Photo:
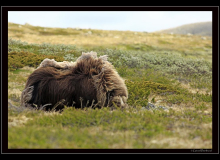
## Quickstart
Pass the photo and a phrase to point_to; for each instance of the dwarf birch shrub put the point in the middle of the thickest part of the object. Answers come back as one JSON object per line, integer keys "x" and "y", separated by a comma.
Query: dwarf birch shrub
{"x": 140, "y": 90}
{"x": 69, "y": 57}
{"x": 20, "y": 59}
{"x": 168, "y": 62}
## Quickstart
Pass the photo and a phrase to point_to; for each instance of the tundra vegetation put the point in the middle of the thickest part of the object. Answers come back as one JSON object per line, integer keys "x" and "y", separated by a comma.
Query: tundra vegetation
{"x": 173, "y": 72}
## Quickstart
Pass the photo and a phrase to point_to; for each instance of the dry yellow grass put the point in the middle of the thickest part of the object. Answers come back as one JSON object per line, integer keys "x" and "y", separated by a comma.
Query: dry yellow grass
{"x": 105, "y": 38}
{"x": 17, "y": 121}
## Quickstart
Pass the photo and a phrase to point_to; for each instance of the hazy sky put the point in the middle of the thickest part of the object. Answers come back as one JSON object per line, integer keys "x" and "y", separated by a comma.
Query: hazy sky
{"x": 110, "y": 20}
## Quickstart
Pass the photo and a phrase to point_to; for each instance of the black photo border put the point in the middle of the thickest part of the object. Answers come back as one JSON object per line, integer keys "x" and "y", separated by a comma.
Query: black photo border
{"x": 4, "y": 79}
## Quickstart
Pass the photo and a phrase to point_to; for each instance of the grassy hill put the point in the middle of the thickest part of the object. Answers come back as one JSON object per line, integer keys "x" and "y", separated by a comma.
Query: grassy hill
{"x": 173, "y": 72}
{"x": 201, "y": 28}
{"x": 121, "y": 40}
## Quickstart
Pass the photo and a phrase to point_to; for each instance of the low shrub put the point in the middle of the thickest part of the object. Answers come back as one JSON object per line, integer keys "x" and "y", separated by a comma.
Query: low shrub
{"x": 20, "y": 59}
{"x": 140, "y": 90}
{"x": 167, "y": 62}
{"x": 170, "y": 62}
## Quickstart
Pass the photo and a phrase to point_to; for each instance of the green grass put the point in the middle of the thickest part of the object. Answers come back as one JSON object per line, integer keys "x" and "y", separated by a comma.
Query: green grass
{"x": 120, "y": 128}
{"x": 103, "y": 128}
{"x": 178, "y": 79}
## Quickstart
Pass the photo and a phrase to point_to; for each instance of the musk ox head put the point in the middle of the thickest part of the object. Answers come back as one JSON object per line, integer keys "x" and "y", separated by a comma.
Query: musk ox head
{"x": 88, "y": 81}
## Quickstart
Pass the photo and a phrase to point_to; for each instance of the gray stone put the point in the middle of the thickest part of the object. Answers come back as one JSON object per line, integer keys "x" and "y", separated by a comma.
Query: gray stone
{"x": 164, "y": 108}
{"x": 151, "y": 106}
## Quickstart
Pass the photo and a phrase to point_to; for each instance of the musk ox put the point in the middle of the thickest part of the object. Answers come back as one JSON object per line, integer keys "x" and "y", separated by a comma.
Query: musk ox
{"x": 88, "y": 81}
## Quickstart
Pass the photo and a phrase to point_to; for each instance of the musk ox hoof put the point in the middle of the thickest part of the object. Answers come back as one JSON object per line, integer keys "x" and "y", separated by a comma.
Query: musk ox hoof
{"x": 90, "y": 80}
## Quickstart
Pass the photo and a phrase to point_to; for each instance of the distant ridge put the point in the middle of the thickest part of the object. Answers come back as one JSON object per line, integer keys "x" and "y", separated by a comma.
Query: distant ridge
{"x": 201, "y": 28}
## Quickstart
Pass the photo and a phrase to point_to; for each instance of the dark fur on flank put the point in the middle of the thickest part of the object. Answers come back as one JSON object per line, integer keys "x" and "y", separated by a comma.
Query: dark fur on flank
{"x": 89, "y": 80}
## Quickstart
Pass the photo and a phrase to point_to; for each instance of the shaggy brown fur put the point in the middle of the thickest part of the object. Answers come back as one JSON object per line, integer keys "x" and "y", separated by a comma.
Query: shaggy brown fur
{"x": 89, "y": 80}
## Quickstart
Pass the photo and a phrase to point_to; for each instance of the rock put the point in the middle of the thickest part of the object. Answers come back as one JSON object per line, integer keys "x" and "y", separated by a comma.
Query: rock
{"x": 89, "y": 32}
{"x": 162, "y": 107}
{"x": 78, "y": 29}
{"x": 151, "y": 106}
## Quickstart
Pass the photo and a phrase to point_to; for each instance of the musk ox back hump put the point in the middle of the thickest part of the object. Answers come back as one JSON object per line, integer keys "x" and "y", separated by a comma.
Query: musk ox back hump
{"x": 89, "y": 80}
